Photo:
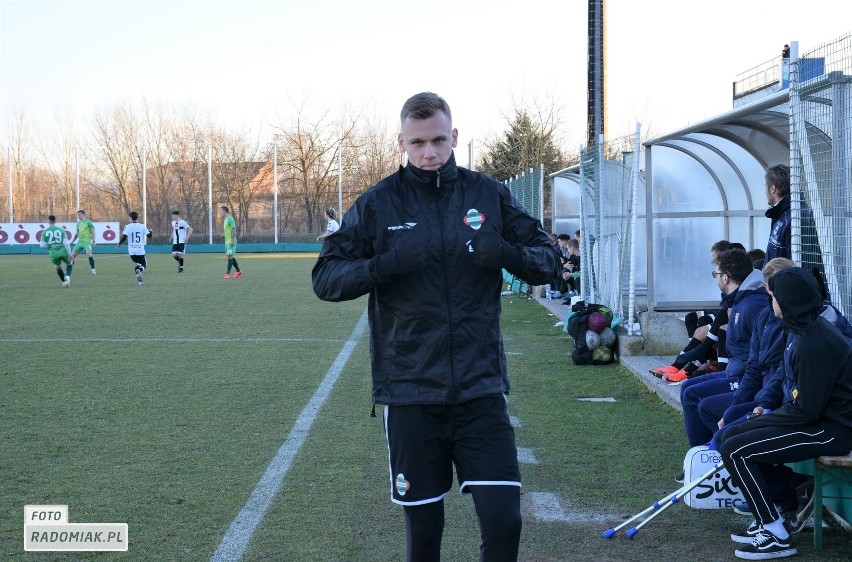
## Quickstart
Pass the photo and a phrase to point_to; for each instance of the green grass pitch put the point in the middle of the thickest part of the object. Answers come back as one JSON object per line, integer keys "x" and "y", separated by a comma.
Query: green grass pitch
{"x": 161, "y": 407}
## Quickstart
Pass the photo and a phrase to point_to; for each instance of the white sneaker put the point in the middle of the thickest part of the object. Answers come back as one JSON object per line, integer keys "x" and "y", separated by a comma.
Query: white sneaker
{"x": 94, "y": 272}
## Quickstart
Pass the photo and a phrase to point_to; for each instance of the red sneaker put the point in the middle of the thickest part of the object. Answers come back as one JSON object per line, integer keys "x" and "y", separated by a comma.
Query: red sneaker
{"x": 676, "y": 378}
{"x": 660, "y": 371}
{"x": 237, "y": 274}
{"x": 228, "y": 276}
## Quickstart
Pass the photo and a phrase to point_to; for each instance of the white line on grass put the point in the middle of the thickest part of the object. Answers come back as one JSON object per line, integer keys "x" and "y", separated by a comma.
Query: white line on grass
{"x": 167, "y": 340}
{"x": 237, "y": 538}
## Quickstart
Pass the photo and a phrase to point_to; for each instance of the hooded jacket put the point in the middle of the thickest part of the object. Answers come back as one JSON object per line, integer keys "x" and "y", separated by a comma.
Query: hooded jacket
{"x": 750, "y": 300}
{"x": 435, "y": 333}
{"x": 765, "y": 357}
{"x": 818, "y": 356}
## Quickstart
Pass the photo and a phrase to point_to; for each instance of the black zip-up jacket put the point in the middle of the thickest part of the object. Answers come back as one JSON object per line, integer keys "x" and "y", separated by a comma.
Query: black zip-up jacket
{"x": 434, "y": 334}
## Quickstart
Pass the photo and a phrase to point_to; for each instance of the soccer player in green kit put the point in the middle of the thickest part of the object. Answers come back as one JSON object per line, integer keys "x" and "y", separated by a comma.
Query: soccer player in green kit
{"x": 229, "y": 226}
{"x": 54, "y": 239}
{"x": 85, "y": 239}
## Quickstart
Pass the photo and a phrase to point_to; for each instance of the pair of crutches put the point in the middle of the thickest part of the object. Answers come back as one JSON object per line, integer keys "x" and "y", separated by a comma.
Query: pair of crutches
{"x": 661, "y": 505}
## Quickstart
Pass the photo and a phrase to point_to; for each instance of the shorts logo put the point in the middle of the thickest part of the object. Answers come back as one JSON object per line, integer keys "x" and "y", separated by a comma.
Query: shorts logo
{"x": 402, "y": 485}
{"x": 474, "y": 219}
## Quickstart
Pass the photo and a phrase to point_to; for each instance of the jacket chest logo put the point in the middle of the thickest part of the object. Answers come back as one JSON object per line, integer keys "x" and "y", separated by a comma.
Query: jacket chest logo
{"x": 474, "y": 219}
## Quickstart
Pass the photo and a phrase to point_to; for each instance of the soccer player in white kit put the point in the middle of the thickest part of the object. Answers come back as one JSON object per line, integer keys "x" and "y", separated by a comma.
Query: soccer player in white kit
{"x": 136, "y": 235}
{"x": 179, "y": 237}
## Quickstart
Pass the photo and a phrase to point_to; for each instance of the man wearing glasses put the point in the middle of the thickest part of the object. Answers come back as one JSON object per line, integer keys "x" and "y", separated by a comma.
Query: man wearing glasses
{"x": 711, "y": 394}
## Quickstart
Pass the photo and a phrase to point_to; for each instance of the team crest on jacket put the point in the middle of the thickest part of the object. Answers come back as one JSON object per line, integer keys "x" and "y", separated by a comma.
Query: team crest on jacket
{"x": 474, "y": 219}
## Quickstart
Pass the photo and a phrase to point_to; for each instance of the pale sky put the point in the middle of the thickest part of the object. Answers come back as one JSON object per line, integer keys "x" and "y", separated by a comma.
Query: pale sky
{"x": 251, "y": 62}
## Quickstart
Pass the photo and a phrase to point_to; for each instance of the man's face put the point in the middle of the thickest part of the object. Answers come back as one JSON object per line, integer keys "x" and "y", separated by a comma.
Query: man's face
{"x": 81, "y": 216}
{"x": 721, "y": 279}
{"x": 772, "y": 195}
{"x": 776, "y": 308}
{"x": 428, "y": 142}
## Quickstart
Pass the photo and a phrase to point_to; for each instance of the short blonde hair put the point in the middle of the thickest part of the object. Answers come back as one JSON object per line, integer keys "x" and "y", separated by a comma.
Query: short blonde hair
{"x": 775, "y": 265}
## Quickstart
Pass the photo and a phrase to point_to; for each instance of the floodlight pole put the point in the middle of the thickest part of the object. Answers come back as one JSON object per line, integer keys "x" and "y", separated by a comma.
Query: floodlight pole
{"x": 144, "y": 189}
{"x": 340, "y": 180}
{"x": 77, "y": 174}
{"x": 9, "y": 166}
{"x": 275, "y": 184}
{"x": 210, "y": 190}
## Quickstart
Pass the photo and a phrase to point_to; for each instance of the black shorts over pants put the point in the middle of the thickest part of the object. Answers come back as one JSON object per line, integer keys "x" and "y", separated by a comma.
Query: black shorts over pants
{"x": 425, "y": 441}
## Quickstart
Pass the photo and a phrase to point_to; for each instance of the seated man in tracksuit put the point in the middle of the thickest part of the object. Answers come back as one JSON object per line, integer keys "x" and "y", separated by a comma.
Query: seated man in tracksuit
{"x": 733, "y": 272}
{"x": 818, "y": 420}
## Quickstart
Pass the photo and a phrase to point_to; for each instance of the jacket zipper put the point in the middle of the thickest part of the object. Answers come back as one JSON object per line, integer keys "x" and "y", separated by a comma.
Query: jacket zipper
{"x": 450, "y": 338}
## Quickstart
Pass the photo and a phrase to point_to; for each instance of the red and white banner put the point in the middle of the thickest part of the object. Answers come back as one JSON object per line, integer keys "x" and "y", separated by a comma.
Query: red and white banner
{"x": 12, "y": 234}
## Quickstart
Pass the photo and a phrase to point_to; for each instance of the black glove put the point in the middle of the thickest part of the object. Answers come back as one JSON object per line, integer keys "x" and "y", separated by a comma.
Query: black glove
{"x": 489, "y": 251}
{"x": 407, "y": 256}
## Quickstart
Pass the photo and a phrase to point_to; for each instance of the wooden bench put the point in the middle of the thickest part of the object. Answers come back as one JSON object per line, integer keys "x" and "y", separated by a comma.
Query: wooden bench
{"x": 830, "y": 470}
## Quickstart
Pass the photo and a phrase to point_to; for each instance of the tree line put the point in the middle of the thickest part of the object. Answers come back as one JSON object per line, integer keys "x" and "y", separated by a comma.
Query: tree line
{"x": 174, "y": 159}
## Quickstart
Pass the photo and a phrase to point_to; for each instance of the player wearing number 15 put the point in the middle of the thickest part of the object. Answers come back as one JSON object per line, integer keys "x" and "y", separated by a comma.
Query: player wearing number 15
{"x": 136, "y": 235}
{"x": 58, "y": 248}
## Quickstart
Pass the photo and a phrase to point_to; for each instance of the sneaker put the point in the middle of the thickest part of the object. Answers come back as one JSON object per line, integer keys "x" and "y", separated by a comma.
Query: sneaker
{"x": 748, "y": 536}
{"x": 67, "y": 282}
{"x": 180, "y": 270}
{"x": 660, "y": 371}
{"x": 767, "y": 546}
{"x": 139, "y": 277}
{"x": 94, "y": 272}
{"x": 675, "y": 378}
{"x": 742, "y": 509}
{"x": 680, "y": 478}
{"x": 63, "y": 283}
{"x": 237, "y": 274}
{"x": 227, "y": 276}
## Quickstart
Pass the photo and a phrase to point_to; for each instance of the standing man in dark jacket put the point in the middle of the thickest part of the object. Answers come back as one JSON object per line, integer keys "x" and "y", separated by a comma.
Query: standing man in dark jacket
{"x": 778, "y": 196}
{"x": 780, "y": 243}
{"x": 817, "y": 422}
{"x": 428, "y": 244}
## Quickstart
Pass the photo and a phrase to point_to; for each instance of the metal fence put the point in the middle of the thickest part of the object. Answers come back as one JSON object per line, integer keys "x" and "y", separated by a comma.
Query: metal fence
{"x": 821, "y": 165}
{"x": 528, "y": 189}
{"x": 609, "y": 191}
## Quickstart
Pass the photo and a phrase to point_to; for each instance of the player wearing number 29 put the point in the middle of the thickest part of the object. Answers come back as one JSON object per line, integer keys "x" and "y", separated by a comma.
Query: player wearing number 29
{"x": 58, "y": 248}
{"x": 136, "y": 235}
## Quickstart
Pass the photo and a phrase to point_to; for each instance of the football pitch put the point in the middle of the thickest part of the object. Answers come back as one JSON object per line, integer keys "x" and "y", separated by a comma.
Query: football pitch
{"x": 230, "y": 419}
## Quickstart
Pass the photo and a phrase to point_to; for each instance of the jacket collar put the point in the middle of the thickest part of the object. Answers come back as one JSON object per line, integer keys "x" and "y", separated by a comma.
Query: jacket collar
{"x": 425, "y": 179}
{"x": 779, "y": 208}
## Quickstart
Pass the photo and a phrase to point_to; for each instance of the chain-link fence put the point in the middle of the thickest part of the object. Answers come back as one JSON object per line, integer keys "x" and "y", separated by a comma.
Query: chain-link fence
{"x": 528, "y": 189}
{"x": 821, "y": 165}
{"x": 609, "y": 186}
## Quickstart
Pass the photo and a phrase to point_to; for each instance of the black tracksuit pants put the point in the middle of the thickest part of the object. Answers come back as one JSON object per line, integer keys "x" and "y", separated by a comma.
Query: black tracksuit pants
{"x": 749, "y": 455}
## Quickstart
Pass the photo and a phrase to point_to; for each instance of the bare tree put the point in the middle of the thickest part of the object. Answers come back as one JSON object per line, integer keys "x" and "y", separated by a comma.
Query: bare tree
{"x": 242, "y": 176}
{"x": 309, "y": 163}
{"x": 117, "y": 188}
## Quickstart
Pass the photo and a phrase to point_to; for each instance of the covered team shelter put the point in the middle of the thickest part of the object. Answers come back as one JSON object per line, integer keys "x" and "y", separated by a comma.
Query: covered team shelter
{"x": 696, "y": 185}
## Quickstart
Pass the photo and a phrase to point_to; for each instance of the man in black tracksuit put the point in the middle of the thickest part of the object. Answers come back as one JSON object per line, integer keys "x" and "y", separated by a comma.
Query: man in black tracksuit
{"x": 428, "y": 244}
{"x": 818, "y": 421}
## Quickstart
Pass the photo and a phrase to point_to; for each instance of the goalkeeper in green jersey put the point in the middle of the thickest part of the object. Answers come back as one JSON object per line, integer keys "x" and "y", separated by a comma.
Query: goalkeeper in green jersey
{"x": 84, "y": 240}
{"x": 58, "y": 248}
{"x": 229, "y": 226}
